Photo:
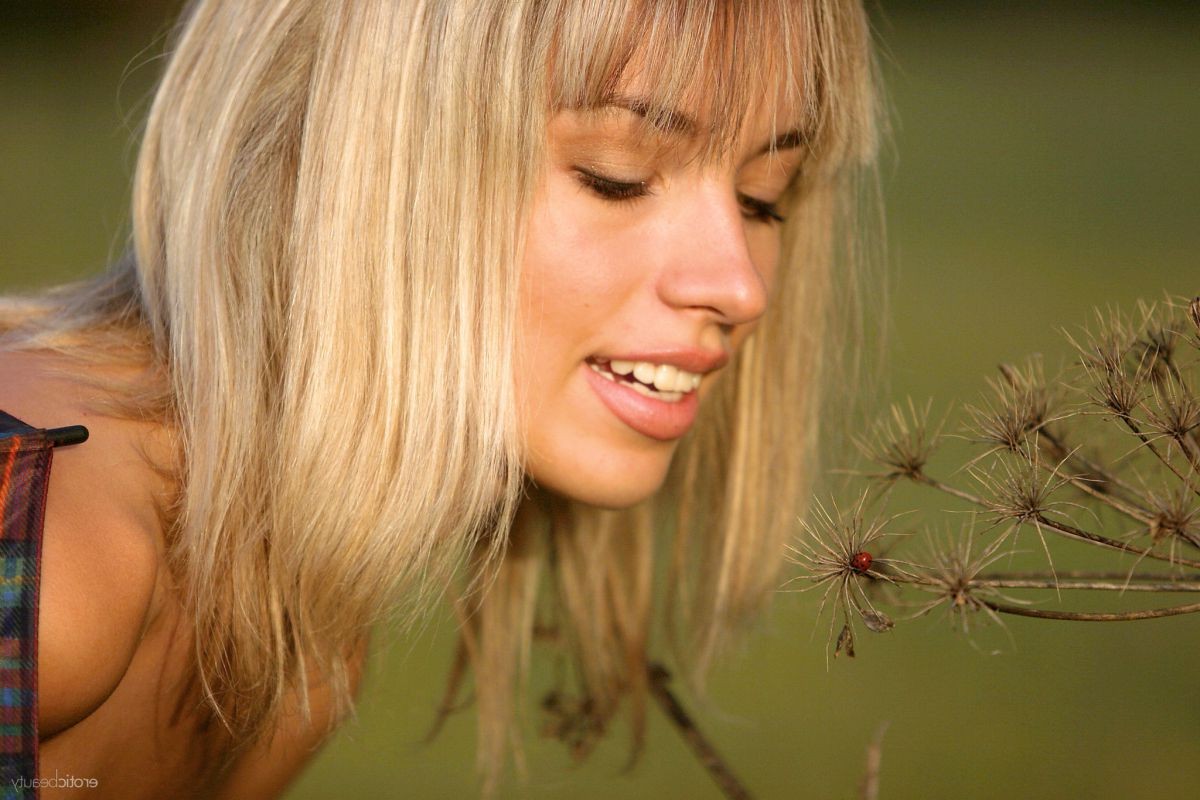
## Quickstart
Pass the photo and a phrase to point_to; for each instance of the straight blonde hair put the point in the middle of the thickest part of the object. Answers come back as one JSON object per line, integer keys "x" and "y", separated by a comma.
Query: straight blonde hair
{"x": 322, "y": 288}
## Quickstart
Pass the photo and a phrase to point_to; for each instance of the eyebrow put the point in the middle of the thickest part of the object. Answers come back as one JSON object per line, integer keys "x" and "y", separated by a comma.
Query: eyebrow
{"x": 677, "y": 123}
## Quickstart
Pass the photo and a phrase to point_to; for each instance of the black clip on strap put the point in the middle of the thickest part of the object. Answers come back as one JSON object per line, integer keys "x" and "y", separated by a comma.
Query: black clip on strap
{"x": 71, "y": 434}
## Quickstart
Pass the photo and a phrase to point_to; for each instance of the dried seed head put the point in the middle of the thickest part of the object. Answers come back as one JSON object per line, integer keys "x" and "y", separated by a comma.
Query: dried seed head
{"x": 837, "y": 544}
{"x": 955, "y": 563}
{"x": 1022, "y": 403}
{"x": 1105, "y": 346}
{"x": 1194, "y": 313}
{"x": 1019, "y": 495}
{"x": 901, "y": 442}
{"x": 1117, "y": 393}
{"x": 1155, "y": 353}
{"x": 1122, "y": 357}
{"x": 837, "y": 549}
{"x": 1017, "y": 492}
{"x": 1117, "y": 381}
{"x": 1174, "y": 413}
{"x": 1174, "y": 515}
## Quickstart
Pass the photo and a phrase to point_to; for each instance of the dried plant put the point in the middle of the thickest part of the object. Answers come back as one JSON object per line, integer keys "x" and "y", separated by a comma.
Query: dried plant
{"x": 1106, "y": 453}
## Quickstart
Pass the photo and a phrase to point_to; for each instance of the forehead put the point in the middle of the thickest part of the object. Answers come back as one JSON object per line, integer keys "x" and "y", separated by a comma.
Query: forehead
{"x": 767, "y": 125}
{"x": 771, "y": 123}
{"x": 716, "y": 79}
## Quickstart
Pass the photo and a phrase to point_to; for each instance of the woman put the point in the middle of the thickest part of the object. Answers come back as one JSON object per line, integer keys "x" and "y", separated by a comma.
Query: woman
{"x": 422, "y": 295}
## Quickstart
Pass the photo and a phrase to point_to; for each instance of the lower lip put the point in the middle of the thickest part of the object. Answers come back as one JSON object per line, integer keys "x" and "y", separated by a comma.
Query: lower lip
{"x": 657, "y": 419}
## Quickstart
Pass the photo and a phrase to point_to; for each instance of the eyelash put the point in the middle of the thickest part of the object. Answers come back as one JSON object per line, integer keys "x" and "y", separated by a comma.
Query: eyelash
{"x": 621, "y": 192}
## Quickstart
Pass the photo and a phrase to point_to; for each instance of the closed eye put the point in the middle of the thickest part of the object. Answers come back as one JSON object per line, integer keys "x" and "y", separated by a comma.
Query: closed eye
{"x": 625, "y": 191}
{"x": 609, "y": 189}
{"x": 760, "y": 210}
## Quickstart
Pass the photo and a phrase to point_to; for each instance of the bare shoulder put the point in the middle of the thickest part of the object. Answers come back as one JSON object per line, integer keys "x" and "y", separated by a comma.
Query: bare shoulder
{"x": 101, "y": 548}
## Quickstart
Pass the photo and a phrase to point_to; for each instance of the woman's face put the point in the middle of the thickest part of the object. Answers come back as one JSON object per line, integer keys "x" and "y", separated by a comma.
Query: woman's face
{"x": 642, "y": 266}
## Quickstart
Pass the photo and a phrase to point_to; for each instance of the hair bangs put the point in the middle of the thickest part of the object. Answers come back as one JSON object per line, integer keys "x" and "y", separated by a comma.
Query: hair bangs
{"x": 704, "y": 68}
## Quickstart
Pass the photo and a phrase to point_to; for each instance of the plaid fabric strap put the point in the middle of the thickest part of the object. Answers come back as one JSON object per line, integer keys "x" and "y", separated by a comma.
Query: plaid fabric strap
{"x": 25, "y": 456}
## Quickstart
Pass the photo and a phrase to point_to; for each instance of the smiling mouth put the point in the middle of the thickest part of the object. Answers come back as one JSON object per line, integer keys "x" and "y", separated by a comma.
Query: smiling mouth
{"x": 628, "y": 376}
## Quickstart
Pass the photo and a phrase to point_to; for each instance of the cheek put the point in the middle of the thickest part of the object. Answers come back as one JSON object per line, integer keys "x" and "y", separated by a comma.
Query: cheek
{"x": 556, "y": 286}
{"x": 570, "y": 299}
{"x": 765, "y": 250}
{"x": 765, "y": 247}
{"x": 579, "y": 283}
{"x": 577, "y": 273}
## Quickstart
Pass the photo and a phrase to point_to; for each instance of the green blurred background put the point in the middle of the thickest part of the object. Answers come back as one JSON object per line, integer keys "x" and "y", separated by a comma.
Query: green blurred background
{"x": 1043, "y": 162}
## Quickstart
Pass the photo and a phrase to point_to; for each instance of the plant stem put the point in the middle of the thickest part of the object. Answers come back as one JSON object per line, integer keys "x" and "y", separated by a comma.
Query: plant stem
{"x": 1061, "y": 527}
{"x": 1094, "y": 575}
{"x": 1188, "y": 444}
{"x": 1190, "y": 450}
{"x": 1048, "y": 582}
{"x": 921, "y": 477}
{"x": 1103, "y": 541}
{"x": 869, "y": 786}
{"x": 1131, "y": 423}
{"x": 703, "y": 750}
{"x": 1087, "y": 616}
{"x": 1060, "y": 450}
{"x": 1093, "y": 487}
{"x": 1069, "y": 583}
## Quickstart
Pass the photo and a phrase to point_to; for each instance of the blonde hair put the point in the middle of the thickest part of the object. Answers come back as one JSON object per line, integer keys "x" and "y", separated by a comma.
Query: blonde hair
{"x": 322, "y": 288}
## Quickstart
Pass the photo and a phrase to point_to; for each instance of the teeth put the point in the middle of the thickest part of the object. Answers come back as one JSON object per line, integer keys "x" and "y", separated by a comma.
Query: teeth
{"x": 670, "y": 397}
{"x": 644, "y": 371}
{"x": 664, "y": 378}
{"x": 671, "y": 389}
{"x": 603, "y": 372}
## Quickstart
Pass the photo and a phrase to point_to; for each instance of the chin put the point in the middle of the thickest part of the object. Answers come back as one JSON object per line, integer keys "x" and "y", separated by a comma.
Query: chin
{"x": 617, "y": 487}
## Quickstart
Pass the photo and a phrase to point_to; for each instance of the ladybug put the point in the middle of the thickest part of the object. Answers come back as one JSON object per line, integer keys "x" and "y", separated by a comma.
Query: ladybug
{"x": 860, "y": 562}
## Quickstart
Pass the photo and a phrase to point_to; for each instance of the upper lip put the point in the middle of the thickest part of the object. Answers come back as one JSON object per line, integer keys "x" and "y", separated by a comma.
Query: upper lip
{"x": 691, "y": 359}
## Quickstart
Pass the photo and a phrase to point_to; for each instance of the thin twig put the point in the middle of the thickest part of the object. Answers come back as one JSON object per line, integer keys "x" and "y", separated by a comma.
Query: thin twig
{"x": 1106, "y": 478}
{"x": 1190, "y": 450}
{"x": 1096, "y": 575}
{"x": 1131, "y": 423}
{"x": 730, "y": 786}
{"x": 869, "y": 788}
{"x": 1087, "y": 616}
{"x": 1104, "y": 541}
{"x": 1083, "y": 485}
{"x": 1029, "y": 582}
{"x": 1095, "y": 487}
{"x": 934, "y": 483}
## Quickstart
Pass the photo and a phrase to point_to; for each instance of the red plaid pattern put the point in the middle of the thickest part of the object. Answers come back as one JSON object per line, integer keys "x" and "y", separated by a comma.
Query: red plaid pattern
{"x": 25, "y": 457}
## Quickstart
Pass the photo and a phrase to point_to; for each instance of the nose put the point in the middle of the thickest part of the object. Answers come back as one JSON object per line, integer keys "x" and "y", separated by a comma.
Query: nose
{"x": 711, "y": 264}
